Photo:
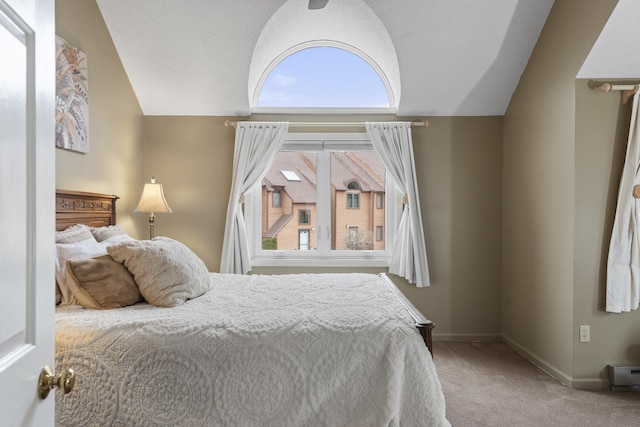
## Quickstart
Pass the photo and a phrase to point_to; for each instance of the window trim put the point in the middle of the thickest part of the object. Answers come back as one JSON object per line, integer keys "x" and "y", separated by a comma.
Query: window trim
{"x": 312, "y": 258}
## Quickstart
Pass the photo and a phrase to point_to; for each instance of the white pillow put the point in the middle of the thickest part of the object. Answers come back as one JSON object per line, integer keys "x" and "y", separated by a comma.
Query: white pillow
{"x": 75, "y": 233}
{"x": 115, "y": 239}
{"x": 166, "y": 271}
{"x": 106, "y": 232}
{"x": 64, "y": 251}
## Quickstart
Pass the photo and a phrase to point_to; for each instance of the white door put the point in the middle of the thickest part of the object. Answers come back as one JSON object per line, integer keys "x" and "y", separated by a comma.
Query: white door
{"x": 303, "y": 240}
{"x": 27, "y": 212}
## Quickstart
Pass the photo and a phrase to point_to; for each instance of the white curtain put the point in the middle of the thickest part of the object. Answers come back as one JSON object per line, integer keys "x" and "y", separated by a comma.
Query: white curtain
{"x": 623, "y": 265}
{"x": 392, "y": 141}
{"x": 256, "y": 145}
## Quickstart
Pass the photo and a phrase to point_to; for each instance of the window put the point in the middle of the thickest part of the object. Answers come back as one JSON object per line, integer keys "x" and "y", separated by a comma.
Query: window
{"x": 290, "y": 175}
{"x": 379, "y": 235}
{"x": 353, "y": 201}
{"x": 379, "y": 201}
{"x": 324, "y": 77}
{"x": 339, "y": 213}
{"x": 276, "y": 199}
{"x": 304, "y": 216}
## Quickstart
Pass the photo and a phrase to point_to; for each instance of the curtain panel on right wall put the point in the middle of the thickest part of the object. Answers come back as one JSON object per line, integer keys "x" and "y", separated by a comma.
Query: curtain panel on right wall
{"x": 623, "y": 264}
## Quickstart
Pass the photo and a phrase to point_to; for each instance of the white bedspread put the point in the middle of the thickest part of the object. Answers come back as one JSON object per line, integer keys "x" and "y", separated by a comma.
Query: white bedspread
{"x": 293, "y": 350}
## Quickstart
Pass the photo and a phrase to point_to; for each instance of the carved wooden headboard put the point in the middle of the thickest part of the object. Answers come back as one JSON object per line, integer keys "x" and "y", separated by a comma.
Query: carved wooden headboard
{"x": 77, "y": 207}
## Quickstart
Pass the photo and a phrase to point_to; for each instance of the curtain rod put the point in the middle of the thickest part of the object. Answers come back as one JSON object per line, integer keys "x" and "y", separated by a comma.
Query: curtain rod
{"x": 628, "y": 89}
{"x": 424, "y": 123}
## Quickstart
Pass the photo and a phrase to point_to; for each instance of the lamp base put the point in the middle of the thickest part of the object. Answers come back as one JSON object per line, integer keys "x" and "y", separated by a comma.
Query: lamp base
{"x": 152, "y": 219}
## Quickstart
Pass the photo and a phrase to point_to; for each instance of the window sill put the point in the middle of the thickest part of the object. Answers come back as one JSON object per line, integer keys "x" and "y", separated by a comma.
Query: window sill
{"x": 287, "y": 260}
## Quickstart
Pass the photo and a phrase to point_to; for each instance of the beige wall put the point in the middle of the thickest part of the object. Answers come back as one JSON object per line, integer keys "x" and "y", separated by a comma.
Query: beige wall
{"x": 602, "y": 128}
{"x": 192, "y": 157}
{"x": 459, "y": 163}
{"x": 114, "y": 164}
{"x": 544, "y": 296}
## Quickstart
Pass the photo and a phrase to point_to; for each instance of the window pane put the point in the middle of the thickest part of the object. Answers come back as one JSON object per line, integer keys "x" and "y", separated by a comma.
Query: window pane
{"x": 355, "y": 216}
{"x": 323, "y": 77}
{"x": 378, "y": 233}
{"x": 304, "y": 216}
{"x": 353, "y": 201}
{"x": 281, "y": 230}
{"x": 275, "y": 198}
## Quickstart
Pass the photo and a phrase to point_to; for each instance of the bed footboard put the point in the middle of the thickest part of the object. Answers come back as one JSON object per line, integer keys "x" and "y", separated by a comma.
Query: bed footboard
{"x": 424, "y": 325}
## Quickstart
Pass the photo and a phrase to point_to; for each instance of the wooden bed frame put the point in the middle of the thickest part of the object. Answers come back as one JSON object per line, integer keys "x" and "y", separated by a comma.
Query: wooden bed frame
{"x": 97, "y": 210}
{"x": 78, "y": 207}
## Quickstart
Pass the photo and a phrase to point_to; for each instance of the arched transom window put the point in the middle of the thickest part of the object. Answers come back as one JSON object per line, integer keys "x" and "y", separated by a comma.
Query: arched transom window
{"x": 323, "y": 77}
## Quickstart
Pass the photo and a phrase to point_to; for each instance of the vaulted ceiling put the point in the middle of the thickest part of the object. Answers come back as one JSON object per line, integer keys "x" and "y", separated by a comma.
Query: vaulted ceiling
{"x": 441, "y": 57}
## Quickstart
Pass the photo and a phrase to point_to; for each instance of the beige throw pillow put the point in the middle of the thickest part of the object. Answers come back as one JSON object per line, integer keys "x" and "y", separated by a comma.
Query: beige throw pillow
{"x": 101, "y": 283}
{"x": 80, "y": 250}
{"x": 166, "y": 271}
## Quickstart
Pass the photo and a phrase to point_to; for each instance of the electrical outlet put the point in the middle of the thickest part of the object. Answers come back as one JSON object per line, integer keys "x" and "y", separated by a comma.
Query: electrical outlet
{"x": 585, "y": 333}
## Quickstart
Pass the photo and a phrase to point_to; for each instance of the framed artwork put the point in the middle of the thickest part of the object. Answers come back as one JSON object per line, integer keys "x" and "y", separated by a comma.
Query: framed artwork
{"x": 72, "y": 98}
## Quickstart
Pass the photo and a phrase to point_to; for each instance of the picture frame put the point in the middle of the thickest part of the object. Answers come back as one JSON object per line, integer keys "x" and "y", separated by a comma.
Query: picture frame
{"x": 72, "y": 98}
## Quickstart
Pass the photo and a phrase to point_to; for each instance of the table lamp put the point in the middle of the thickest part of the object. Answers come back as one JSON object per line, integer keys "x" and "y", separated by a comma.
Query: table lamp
{"x": 152, "y": 202}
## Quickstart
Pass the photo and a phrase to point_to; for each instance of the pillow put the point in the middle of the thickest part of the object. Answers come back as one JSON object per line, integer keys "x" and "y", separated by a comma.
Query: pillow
{"x": 58, "y": 294}
{"x": 118, "y": 238}
{"x": 100, "y": 283}
{"x": 166, "y": 271}
{"x": 75, "y": 233}
{"x": 103, "y": 233}
{"x": 64, "y": 251}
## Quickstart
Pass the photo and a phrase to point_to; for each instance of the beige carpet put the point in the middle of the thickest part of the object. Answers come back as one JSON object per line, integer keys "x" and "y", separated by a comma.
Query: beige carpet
{"x": 488, "y": 384}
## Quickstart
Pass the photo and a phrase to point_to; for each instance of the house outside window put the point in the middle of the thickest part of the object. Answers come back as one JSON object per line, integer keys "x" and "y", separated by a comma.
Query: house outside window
{"x": 331, "y": 176}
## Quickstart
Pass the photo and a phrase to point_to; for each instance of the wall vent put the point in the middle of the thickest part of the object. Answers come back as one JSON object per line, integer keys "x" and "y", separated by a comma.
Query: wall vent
{"x": 624, "y": 377}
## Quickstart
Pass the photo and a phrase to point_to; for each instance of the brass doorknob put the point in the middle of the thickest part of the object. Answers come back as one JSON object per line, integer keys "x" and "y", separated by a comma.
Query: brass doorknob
{"x": 62, "y": 381}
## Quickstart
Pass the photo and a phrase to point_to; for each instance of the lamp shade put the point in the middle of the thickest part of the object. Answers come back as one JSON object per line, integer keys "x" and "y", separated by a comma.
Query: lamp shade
{"x": 152, "y": 199}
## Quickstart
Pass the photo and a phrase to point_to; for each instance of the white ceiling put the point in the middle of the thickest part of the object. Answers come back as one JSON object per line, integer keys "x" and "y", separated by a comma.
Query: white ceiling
{"x": 442, "y": 57}
{"x": 616, "y": 53}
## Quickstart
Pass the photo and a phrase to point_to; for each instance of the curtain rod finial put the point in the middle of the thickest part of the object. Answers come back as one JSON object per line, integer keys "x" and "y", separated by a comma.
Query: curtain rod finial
{"x": 606, "y": 87}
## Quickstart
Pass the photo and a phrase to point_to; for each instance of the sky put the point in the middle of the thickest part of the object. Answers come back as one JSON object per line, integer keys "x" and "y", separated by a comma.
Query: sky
{"x": 323, "y": 77}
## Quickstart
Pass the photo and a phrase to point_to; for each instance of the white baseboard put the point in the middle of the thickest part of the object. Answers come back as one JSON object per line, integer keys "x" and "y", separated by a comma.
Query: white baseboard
{"x": 467, "y": 337}
{"x": 562, "y": 377}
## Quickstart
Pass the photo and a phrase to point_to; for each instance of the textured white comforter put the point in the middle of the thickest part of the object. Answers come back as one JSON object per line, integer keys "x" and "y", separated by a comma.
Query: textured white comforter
{"x": 293, "y": 350}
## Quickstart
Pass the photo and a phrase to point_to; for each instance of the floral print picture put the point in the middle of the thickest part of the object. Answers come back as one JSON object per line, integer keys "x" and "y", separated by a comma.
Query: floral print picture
{"x": 72, "y": 98}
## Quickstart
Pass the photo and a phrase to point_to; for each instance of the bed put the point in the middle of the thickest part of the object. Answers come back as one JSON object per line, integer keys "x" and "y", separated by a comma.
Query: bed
{"x": 254, "y": 350}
